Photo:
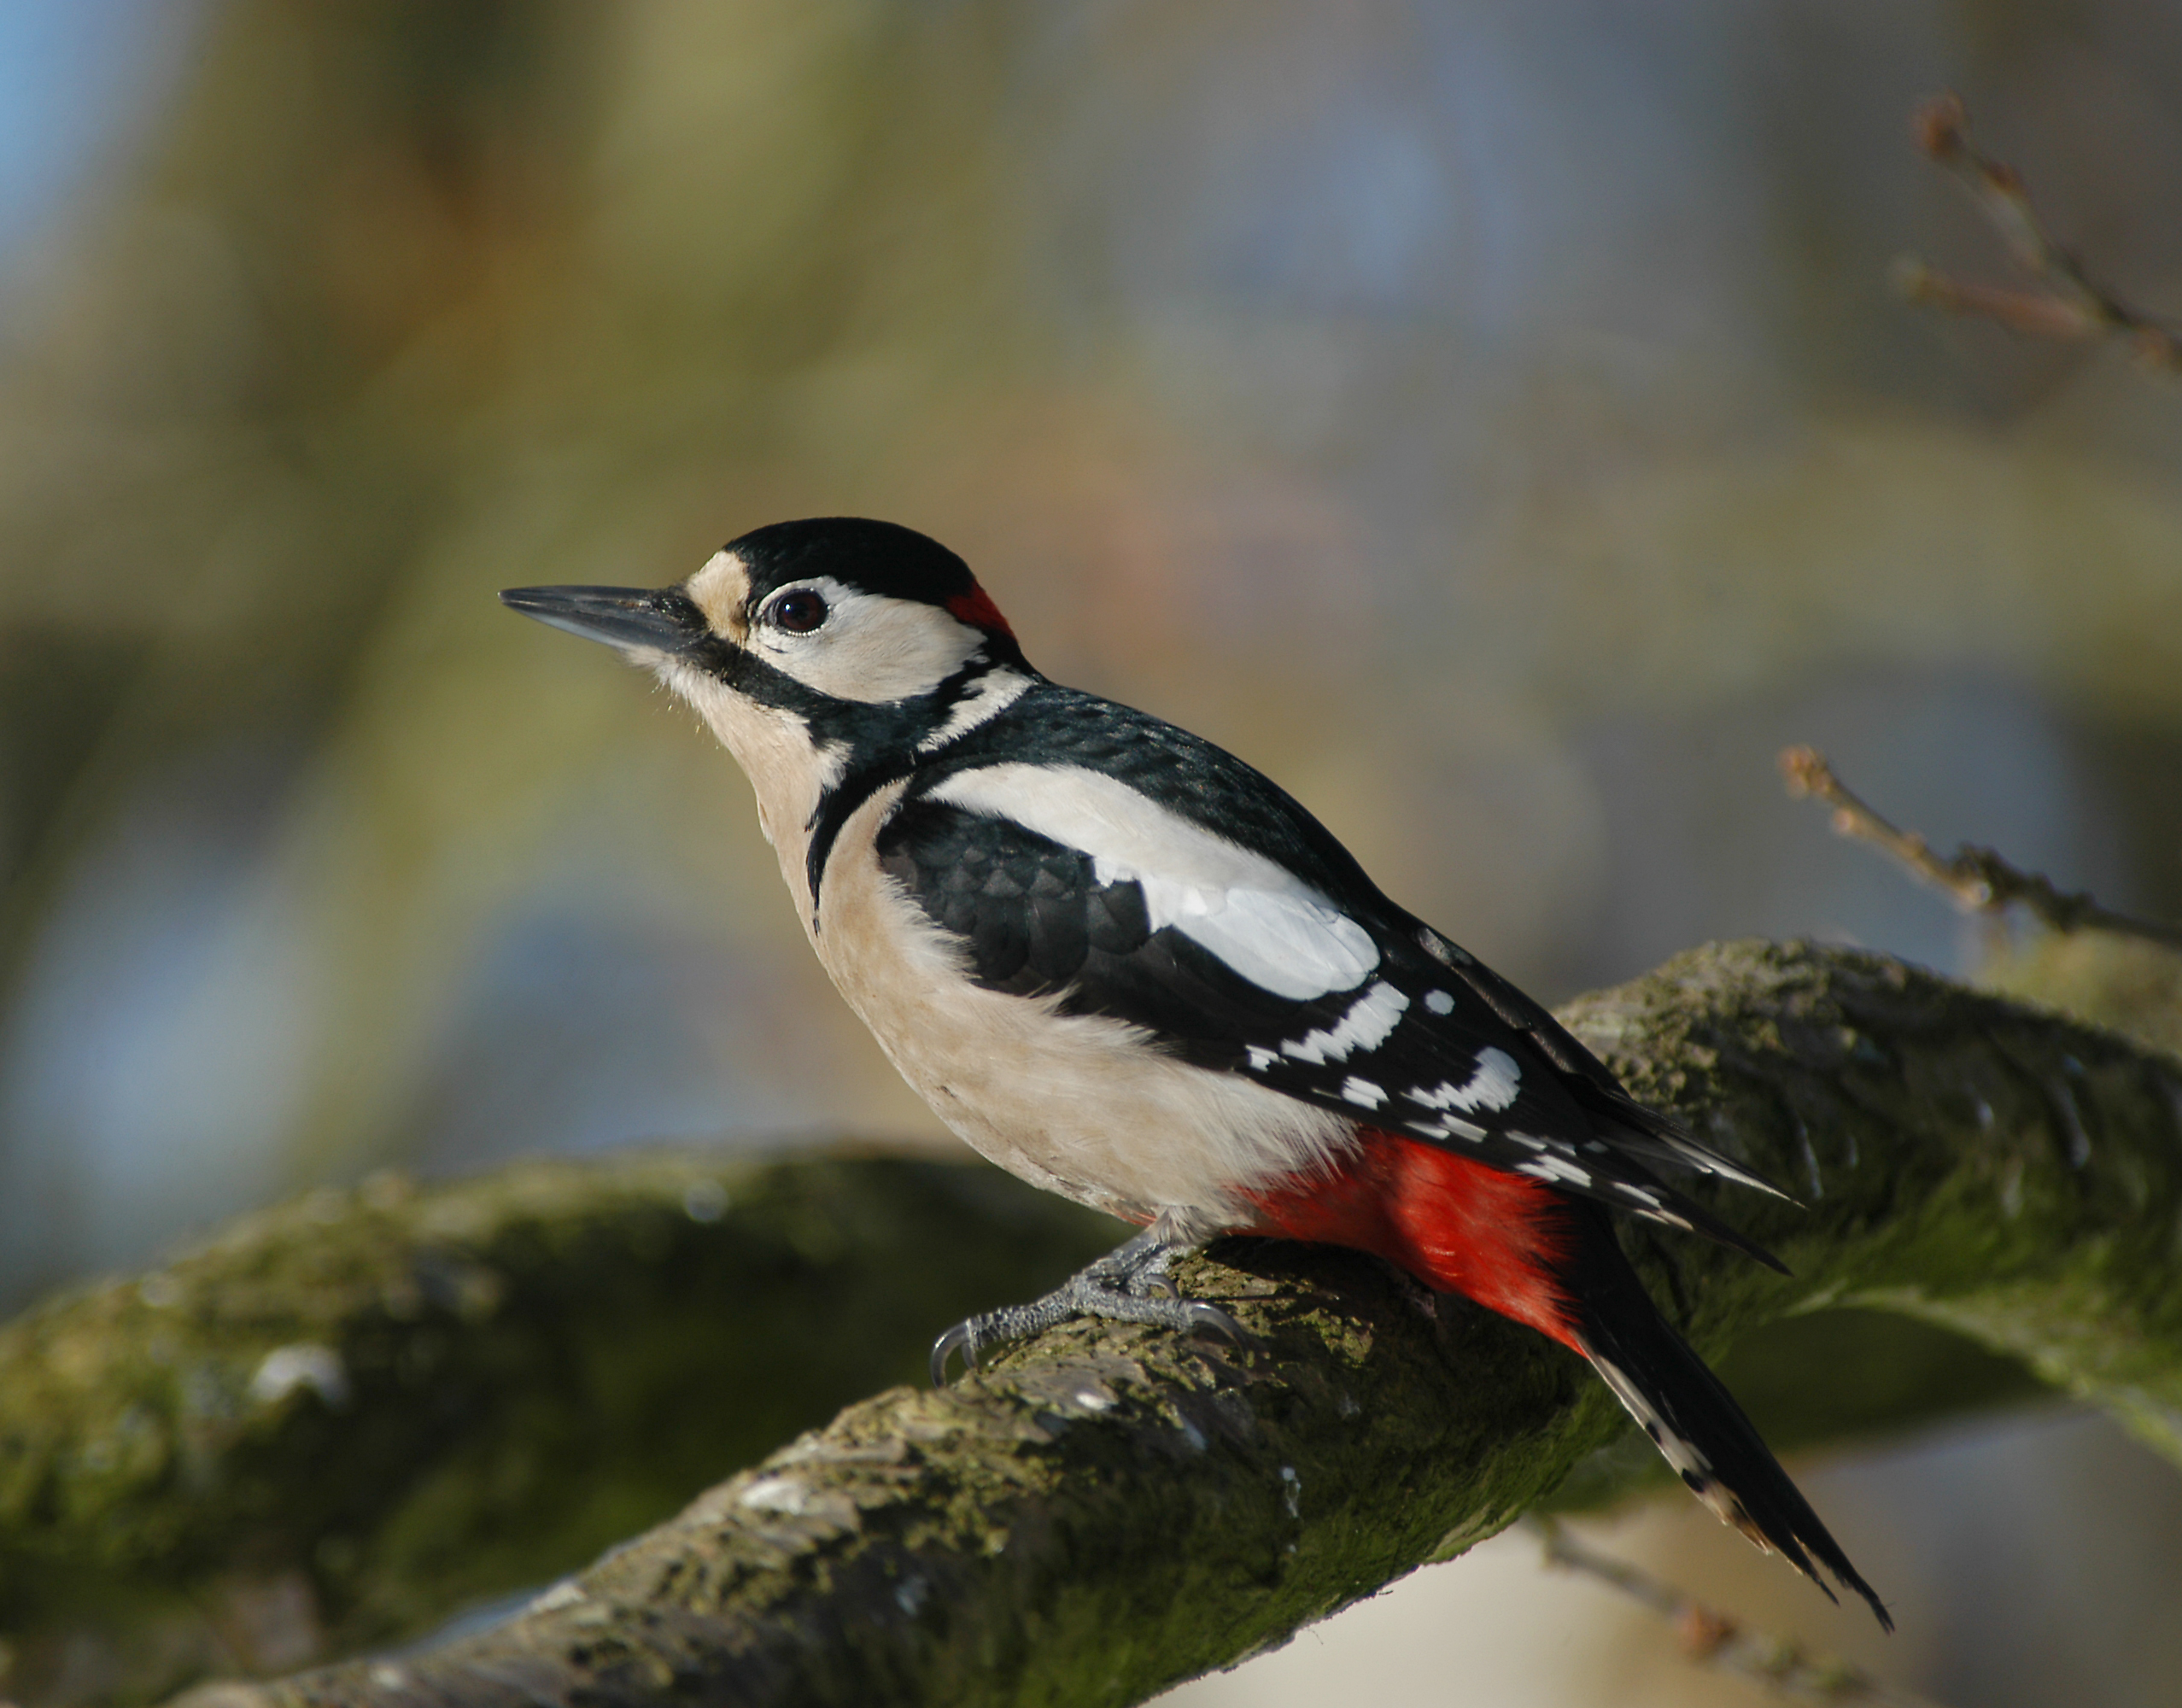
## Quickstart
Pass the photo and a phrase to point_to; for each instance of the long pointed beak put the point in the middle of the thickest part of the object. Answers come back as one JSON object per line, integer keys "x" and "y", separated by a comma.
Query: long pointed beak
{"x": 633, "y": 619}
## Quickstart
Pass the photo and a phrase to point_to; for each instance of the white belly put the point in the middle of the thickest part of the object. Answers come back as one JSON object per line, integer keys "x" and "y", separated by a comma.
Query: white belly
{"x": 1074, "y": 1103}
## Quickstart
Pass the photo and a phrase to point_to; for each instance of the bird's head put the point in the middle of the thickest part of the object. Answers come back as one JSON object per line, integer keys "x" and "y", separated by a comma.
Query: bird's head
{"x": 848, "y": 637}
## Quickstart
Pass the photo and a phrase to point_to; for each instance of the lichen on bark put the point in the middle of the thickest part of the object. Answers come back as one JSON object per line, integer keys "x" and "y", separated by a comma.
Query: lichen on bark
{"x": 341, "y": 1420}
{"x": 1106, "y": 1510}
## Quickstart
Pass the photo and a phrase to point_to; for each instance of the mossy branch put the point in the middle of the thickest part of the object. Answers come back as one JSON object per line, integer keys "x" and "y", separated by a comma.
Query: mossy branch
{"x": 343, "y": 1420}
{"x": 1108, "y": 1511}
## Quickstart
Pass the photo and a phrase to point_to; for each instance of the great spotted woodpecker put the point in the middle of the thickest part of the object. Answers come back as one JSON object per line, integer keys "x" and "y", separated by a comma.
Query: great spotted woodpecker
{"x": 1126, "y": 966}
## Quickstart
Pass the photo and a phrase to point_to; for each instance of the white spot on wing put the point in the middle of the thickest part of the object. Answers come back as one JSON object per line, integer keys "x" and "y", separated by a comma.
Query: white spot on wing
{"x": 1364, "y": 1026}
{"x": 1555, "y": 1170}
{"x": 1263, "y": 921}
{"x": 1492, "y": 1086}
{"x": 1262, "y": 1058}
{"x": 1363, "y": 1092}
{"x": 1453, "y": 1127}
{"x": 1439, "y": 1002}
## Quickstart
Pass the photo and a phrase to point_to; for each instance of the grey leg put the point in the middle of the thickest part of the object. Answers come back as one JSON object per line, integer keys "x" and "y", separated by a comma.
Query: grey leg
{"x": 1129, "y": 1284}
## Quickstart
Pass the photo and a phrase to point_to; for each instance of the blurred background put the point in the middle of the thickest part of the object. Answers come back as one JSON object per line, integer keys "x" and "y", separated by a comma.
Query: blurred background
{"x": 1492, "y": 420}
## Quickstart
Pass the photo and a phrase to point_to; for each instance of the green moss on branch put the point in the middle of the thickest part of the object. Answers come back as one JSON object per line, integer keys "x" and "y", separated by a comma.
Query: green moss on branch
{"x": 1111, "y": 1509}
{"x": 343, "y": 1419}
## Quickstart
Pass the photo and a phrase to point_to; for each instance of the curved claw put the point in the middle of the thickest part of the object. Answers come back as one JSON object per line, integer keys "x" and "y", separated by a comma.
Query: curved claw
{"x": 960, "y": 1338}
{"x": 1160, "y": 1286}
{"x": 1204, "y": 1316}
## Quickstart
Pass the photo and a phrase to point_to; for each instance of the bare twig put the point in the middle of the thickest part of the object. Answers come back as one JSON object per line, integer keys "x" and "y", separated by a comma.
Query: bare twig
{"x": 1980, "y": 881}
{"x": 1711, "y": 1638}
{"x": 2074, "y": 308}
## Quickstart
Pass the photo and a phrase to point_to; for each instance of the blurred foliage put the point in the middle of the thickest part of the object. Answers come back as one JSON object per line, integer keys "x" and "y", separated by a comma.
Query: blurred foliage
{"x": 1493, "y": 421}
{"x": 1278, "y": 368}
{"x": 2131, "y": 987}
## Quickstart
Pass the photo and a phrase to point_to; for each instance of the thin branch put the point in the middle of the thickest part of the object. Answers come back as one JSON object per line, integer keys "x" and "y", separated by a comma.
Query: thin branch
{"x": 1722, "y": 1642}
{"x": 1980, "y": 881}
{"x": 2075, "y": 307}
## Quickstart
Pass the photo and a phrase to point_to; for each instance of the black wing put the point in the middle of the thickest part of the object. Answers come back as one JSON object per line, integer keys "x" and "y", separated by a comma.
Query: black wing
{"x": 1640, "y": 1129}
{"x": 1417, "y": 1048}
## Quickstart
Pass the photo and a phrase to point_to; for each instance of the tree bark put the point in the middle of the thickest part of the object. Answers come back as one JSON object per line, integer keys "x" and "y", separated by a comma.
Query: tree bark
{"x": 1109, "y": 1510}
{"x": 341, "y": 1420}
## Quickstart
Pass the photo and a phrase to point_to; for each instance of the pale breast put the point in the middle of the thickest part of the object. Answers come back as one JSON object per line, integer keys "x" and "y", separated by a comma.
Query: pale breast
{"x": 1075, "y": 1103}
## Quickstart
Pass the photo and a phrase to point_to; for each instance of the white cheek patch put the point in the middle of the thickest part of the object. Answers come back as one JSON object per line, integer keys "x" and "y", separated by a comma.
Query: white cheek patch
{"x": 1492, "y": 1086}
{"x": 1264, "y": 922}
{"x": 1364, "y": 1026}
{"x": 869, "y": 649}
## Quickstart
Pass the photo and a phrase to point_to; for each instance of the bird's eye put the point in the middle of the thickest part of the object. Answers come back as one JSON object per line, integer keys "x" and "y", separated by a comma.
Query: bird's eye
{"x": 799, "y": 613}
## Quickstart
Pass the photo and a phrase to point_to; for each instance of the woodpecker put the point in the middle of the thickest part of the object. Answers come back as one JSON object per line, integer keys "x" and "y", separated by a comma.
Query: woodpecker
{"x": 1131, "y": 969}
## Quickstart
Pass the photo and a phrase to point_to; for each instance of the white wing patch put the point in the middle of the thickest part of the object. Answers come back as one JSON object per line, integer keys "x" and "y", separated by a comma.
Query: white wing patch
{"x": 1364, "y": 1026}
{"x": 1262, "y": 920}
{"x": 1492, "y": 1086}
{"x": 1291, "y": 944}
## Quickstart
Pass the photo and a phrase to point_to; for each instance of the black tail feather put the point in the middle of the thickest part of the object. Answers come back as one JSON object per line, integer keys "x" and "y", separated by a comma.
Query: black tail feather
{"x": 1690, "y": 1415}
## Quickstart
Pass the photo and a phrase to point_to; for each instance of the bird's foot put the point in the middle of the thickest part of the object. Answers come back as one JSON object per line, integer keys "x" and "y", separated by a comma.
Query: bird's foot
{"x": 1129, "y": 1284}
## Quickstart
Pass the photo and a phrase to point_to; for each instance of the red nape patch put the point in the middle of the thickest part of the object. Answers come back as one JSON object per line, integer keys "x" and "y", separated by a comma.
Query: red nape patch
{"x": 977, "y": 609}
{"x": 1456, "y": 1225}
